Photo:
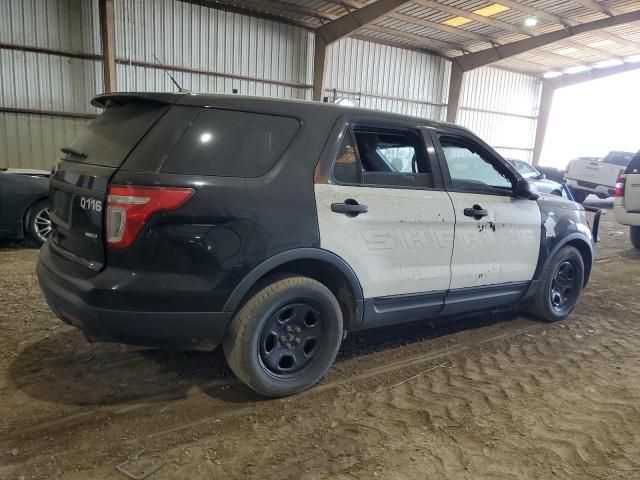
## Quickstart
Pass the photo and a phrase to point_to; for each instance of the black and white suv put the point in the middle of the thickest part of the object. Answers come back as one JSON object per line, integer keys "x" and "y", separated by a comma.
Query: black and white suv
{"x": 273, "y": 227}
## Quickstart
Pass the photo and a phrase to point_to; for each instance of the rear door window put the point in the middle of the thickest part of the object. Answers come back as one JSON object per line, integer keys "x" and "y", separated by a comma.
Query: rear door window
{"x": 377, "y": 156}
{"x": 231, "y": 143}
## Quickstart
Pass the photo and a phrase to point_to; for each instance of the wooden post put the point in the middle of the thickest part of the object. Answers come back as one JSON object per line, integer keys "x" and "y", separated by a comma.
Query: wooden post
{"x": 319, "y": 56}
{"x": 546, "y": 99}
{"x": 107, "y": 35}
{"x": 455, "y": 86}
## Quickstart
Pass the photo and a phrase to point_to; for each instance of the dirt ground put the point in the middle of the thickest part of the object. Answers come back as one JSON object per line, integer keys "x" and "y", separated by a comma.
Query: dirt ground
{"x": 487, "y": 397}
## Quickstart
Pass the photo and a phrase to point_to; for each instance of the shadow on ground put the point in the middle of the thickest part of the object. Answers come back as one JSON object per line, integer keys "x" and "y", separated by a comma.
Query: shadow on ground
{"x": 63, "y": 368}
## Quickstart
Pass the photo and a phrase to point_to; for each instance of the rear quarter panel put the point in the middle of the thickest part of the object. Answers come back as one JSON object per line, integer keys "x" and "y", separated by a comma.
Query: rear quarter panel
{"x": 200, "y": 252}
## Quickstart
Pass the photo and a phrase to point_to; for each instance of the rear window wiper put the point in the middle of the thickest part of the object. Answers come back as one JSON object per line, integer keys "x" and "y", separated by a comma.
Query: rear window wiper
{"x": 73, "y": 151}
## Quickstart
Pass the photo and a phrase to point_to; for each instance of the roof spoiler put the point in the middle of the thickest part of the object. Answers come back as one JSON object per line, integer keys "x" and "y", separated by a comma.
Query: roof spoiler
{"x": 108, "y": 100}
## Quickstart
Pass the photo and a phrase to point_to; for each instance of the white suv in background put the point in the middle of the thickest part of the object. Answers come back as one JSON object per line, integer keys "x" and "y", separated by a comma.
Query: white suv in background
{"x": 626, "y": 205}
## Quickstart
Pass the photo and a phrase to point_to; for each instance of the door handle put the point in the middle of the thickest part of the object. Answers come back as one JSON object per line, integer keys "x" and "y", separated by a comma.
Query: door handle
{"x": 477, "y": 212}
{"x": 349, "y": 207}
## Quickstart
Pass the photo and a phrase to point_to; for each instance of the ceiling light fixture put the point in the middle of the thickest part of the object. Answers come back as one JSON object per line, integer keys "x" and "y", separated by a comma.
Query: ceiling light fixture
{"x": 552, "y": 74}
{"x": 457, "y": 21}
{"x": 491, "y": 10}
{"x": 531, "y": 21}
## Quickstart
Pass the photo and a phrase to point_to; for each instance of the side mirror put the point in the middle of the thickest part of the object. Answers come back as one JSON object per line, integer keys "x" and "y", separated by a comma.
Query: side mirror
{"x": 542, "y": 176}
{"x": 525, "y": 189}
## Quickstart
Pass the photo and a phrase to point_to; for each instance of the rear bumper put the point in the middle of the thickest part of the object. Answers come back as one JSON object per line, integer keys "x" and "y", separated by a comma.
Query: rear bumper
{"x": 184, "y": 330}
{"x": 625, "y": 217}
{"x": 594, "y": 188}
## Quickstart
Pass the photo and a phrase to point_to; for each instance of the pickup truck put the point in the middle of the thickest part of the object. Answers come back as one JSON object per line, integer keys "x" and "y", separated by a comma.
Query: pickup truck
{"x": 588, "y": 176}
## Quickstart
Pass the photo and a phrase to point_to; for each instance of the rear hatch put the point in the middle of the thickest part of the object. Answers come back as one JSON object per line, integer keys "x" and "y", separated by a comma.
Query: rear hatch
{"x": 632, "y": 185}
{"x": 79, "y": 181}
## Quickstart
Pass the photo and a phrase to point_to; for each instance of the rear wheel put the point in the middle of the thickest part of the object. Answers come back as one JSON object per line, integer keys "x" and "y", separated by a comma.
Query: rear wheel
{"x": 560, "y": 286}
{"x": 285, "y": 337}
{"x": 579, "y": 195}
{"x": 39, "y": 222}
{"x": 635, "y": 236}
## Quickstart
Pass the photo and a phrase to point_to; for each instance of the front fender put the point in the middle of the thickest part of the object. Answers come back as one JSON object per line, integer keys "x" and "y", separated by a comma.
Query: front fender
{"x": 562, "y": 224}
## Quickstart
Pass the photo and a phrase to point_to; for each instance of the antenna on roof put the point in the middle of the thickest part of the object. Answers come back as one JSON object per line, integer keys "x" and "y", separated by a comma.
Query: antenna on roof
{"x": 180, "y": 89}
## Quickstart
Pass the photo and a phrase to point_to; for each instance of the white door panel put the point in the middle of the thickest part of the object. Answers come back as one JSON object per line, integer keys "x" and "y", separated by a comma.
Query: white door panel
{"x": 501, "y": 247}
{"x": 402, "y": 245}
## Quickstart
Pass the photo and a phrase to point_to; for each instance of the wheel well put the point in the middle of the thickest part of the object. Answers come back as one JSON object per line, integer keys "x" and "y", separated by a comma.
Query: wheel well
{"x": 587, "y": 256}
{"x": 327, "y": 274}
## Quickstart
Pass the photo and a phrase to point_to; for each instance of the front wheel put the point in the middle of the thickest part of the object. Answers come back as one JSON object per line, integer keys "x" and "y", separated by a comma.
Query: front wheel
{"x": 285, "y": 337}
{"x": 560, "y": 286}
{"x": 635, "y": 236}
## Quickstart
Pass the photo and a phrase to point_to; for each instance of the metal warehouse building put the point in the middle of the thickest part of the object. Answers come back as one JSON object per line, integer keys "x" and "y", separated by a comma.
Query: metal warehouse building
{"x": 320, "y": 239}
{"x": 466, "y": 61}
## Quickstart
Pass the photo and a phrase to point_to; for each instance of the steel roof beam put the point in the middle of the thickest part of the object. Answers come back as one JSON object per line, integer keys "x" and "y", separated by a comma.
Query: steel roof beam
{"x": 486, "y": 57}
{"x": 356, "y": 19}
{"x": 427, "y": 41}
{"x": 594, "y": 74}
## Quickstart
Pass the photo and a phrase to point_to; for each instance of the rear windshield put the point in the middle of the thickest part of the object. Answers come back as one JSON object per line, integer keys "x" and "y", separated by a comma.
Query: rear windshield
{"x": 230, "y": 143}
{"x": 634, "y": 165}
{"x": 108, "y": 139}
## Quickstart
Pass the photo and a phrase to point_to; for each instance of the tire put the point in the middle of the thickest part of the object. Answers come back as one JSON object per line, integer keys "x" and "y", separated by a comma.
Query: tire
{"x": 285, "y": 337}
{"x": 579, "y": 195}
{"x": 38, "y": 223}
{"x": 635, "y": 236}
{"x": 555, "y": 300}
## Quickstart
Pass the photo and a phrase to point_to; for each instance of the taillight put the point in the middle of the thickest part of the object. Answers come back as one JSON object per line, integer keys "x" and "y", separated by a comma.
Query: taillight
{"x": 620, "y": 185}
{"x": 129, "y": 208}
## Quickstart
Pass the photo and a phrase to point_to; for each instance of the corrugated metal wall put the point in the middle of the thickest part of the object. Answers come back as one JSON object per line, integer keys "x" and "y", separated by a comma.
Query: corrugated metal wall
{"x": 30, "y": 80}
{"x": 218, "y": 50}
{"x": 210, "y": 50}
{"x": 206, "y": 50}
{"x": 387, "y": 78}
{"x": 502, "y": 108}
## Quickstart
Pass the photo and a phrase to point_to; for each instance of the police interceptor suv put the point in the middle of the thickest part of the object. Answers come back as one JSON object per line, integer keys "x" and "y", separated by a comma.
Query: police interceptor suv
{"x": 273, "y": 227}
